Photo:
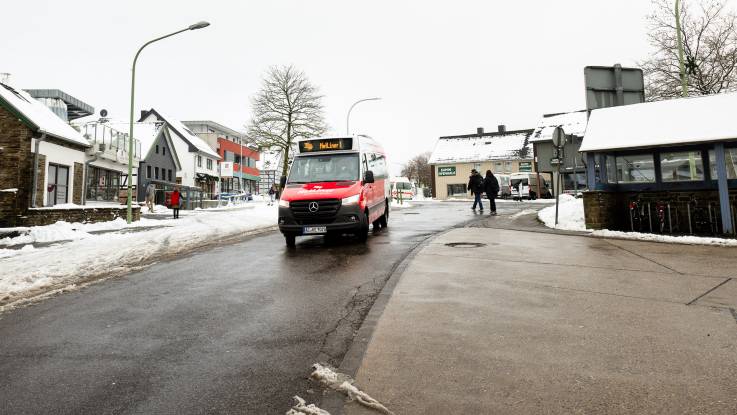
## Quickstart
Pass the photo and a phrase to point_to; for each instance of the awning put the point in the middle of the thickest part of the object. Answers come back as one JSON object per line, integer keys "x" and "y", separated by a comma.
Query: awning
{"x": 203, "y": 177}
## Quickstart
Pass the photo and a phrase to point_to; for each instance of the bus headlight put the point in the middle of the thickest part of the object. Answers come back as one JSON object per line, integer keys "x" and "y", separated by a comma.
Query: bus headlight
{"x": 351, "y": 200}
{"x": 283, "y": 203}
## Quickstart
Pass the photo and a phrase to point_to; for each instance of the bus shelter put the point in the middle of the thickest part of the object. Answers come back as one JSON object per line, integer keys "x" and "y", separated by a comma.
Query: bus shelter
{"x": 663, "y": 167}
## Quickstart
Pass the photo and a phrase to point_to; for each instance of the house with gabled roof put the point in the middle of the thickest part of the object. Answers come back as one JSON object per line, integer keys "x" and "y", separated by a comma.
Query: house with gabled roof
{"x": 198, "y": 161}
{"x": 42, "y": 173}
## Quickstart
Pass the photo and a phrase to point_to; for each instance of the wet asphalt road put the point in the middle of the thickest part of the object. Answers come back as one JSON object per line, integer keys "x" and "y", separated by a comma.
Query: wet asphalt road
{"x": 233, "y": 329}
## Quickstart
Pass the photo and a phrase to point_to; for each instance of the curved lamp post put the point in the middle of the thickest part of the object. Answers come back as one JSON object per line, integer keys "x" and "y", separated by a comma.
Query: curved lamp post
{"x": 198, "y": 25}
{"x": 348, "y": 117}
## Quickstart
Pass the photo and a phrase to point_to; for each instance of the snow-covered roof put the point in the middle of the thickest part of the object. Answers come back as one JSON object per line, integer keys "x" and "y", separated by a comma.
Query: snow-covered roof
{"x": 467, "y": 149}
{"x": 177, "y": 128}
{"x": 39, "y": 115}
{"x": 663, "y": 123}
{"x": 573, "y": 123}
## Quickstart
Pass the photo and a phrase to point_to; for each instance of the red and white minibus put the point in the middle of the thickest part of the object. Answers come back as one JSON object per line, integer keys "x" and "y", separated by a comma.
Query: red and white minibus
{"x": 335, "y": 186}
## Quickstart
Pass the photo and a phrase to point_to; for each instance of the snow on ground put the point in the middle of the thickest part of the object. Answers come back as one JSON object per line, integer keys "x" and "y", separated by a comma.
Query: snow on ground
{"x": 570, "y": 214}
{"x": 90, "y": 255}
{"x": 652, "y": 237}
{"x": 396, "y": 205}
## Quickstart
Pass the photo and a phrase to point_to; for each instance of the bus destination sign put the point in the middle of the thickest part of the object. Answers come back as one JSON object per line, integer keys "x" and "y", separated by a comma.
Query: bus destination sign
{"x": 326, "y": 144}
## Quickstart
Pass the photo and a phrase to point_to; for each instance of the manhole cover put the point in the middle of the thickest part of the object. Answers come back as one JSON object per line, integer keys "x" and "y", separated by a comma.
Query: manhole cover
{"x": 465, "y": 244}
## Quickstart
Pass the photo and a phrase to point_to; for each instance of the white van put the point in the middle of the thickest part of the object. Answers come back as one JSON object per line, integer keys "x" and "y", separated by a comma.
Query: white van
{"x": 404, "y": 186}
{"x": 525, "y": 186}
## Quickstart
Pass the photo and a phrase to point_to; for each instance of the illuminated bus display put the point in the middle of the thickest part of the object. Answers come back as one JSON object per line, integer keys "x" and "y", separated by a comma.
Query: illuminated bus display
{"x": 326, "y": 144}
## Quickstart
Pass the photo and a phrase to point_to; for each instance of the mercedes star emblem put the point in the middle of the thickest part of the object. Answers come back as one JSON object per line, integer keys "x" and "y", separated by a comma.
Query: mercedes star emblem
{"x": 313, "y": 207}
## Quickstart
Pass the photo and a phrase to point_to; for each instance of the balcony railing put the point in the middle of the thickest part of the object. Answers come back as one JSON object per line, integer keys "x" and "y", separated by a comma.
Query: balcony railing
{"x": 106, "y": 139}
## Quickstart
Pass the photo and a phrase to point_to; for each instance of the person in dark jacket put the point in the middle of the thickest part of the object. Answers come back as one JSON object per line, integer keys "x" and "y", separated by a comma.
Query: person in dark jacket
{"x": 476, "y": 186}
{"x": 491, "y": 187}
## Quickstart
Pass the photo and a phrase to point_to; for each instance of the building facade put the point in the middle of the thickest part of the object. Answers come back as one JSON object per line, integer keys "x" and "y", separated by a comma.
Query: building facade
{"x": 232, "y": 146}
{"x": 502, "y": 152}
{"x": 42, "y": 173}
{"x": 198, "y": 162}
{"x": 572, "y": 167}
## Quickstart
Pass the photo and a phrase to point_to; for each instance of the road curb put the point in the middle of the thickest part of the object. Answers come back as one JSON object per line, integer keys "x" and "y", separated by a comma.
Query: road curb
{"x": 334, "y": 402}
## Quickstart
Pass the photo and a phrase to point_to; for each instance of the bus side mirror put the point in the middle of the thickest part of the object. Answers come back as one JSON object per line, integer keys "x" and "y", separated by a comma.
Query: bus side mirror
{"x": 283, "y": 181}
{"x": 368, "y": 177}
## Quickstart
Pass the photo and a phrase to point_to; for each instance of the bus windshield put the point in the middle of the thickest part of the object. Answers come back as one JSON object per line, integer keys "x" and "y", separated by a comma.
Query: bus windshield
{"x": 324, "y": 168}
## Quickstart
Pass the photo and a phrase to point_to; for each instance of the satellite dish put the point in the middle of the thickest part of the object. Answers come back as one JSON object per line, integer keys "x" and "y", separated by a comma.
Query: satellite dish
{"x": 103, "y": 113}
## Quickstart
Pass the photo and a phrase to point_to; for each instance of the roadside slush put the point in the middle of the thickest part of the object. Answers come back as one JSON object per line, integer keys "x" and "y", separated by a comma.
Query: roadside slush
{"x": 489, "y": 320}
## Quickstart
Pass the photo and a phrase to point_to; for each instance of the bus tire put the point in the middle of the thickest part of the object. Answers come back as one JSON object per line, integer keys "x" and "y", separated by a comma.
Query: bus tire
{"x": 384, "y": 219}
{"x": 363, "y": 231}
{"x": 291, "y": 240}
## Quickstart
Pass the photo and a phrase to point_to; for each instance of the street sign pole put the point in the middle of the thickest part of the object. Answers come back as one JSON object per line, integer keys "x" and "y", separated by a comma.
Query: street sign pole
{"x": 559, "y": 140}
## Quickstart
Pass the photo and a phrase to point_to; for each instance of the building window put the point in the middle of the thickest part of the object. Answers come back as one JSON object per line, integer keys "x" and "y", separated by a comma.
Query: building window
{"x": 477, "y": 166}
{"x": 683, "y": 166}
{"x": 148, "y": 172}
{"x": 58, "y": 184}
{"x": 169, "y": 172}
{"x": 498, "y": 167}
{"x": 456, "y": 190}
{"x": 156, "y": 173}
{"x": 209, "y": 164}
{"x": 163, "y": 151}
{"x": 102, "y": 184}
{"x": 730, "y": 157}
{"x": 157, "y": 149}
{"x": 508, "y": 167}
{"x": 637, "y": 168}
{"x": 199, "y": 161}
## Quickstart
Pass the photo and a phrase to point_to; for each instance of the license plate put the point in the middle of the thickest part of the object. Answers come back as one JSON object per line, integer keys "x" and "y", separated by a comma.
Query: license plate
{"x": 314, "y": 230}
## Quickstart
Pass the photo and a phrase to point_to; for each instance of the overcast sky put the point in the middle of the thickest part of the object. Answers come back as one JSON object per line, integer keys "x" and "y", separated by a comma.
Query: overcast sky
{"x": 442, "y": 68}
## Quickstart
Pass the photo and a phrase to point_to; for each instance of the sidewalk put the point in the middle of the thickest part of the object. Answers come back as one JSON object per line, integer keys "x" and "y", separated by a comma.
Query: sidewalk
{"x": 530, "y": 323}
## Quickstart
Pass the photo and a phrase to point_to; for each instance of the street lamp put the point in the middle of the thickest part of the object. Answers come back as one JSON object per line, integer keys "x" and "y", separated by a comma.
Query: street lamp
{"x": 198, "y": 25}
{"x": 348, "y": 117}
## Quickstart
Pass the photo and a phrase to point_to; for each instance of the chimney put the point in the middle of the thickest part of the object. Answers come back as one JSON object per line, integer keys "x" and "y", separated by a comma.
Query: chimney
{"x": 480, "y": 131}
{"x": 144, "y": 113}
{"x": 502, "y": 128}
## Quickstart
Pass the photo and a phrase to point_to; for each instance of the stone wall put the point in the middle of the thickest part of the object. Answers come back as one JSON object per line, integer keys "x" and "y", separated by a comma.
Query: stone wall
{"x": 78, "y": 183}
{"x": 15, "y": 168}
{"x": 47, "y": 216}
{"x": 674, "y": 212}
{"x": 40, "y": 188}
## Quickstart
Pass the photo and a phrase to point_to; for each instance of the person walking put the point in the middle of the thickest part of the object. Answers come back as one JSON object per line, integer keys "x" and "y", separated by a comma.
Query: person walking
{"x": 175, "y": 202}
{"x": 476, "y": 186}
{"x": 150, "y": 197}
{"x": 491, "y": 187}
{"x": 272, "y": 194}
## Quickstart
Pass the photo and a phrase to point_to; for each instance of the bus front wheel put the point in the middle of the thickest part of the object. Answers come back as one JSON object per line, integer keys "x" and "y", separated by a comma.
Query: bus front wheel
{"x": 363, "y": 231}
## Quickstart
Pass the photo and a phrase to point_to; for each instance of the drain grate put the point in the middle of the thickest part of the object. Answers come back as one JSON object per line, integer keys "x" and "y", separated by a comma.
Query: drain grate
{"x": 465, "y": 244}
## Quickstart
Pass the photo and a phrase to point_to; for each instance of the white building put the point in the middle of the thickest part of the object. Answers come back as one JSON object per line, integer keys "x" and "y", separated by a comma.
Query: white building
{"x": 198, "y": 161}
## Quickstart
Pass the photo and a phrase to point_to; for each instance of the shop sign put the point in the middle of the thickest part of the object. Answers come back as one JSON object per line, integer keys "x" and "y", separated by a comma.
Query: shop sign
{"x": 525, "y": 166}
{"x": 447, "y": 171}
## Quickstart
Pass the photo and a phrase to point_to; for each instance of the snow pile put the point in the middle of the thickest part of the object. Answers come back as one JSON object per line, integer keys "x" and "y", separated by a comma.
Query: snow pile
{"x": 652, "y": 237}
{"x": 301, "y": 408}
{"x": 396, "y": 205}
{"x": 112, "y": 254}
{"x": 570, "y": 214}
{"x": 65, "y": 231}
{"x": 344, "y": 384}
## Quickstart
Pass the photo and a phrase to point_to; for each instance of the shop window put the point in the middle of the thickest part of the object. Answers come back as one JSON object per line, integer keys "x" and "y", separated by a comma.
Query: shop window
{"x": 730, "y": 157}
{"x": 682, "y": 166}
{"x": 611, "y": 169}
{"x": 456, "y": 190}
{"x": 636, "y": 168}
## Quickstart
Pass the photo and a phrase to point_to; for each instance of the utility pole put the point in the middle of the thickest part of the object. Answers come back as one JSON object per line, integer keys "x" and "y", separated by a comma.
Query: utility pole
{"x": 681, "y": 64}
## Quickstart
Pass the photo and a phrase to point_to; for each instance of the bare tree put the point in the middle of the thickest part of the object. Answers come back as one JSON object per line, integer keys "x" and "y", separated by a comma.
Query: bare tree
{"x": 710, "y": 49}
{"x": 287, "y": 108}
{"x": 418, "y": 169}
